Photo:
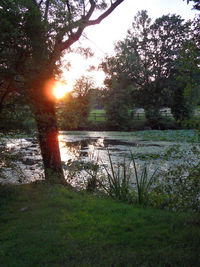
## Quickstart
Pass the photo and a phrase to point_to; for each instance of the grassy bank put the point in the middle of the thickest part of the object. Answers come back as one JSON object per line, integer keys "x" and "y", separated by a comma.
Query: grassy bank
{"x": 42, "y": 225}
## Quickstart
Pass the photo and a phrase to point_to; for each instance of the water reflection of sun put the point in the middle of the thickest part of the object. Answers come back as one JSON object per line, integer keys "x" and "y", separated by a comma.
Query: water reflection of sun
{"x": 67, "y": 152}
{"x": 72, "y": 151}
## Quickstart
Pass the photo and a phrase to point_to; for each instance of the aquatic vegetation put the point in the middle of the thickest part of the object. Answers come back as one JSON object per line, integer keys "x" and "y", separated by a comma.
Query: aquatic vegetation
{"x": 176, "y": 188}
{"x": 168, "y": 135}
{"x": 91, "y": 167}
{"x": 116, "y": 180}
{"x": 126, "y": 182}
{"x": 179, "y": 185}
{"x": 144, "y": 182}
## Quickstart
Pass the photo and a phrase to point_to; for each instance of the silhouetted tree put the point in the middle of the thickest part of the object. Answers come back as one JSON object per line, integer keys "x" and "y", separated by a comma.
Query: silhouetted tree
{"x": 149, "y": 59}
{"x": 42, "y": 30}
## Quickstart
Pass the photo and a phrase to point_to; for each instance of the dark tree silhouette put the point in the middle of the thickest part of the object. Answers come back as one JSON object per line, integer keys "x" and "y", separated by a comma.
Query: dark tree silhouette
{"x": 42, "y": 30}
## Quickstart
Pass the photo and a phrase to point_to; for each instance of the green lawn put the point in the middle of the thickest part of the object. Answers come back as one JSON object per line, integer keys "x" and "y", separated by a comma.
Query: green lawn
{"x": 97, "y": 115}
{"x": 43, "y": 225}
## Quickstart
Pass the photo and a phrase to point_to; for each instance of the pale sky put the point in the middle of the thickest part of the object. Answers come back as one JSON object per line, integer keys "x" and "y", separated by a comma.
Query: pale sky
{"x": 103, "y": 36}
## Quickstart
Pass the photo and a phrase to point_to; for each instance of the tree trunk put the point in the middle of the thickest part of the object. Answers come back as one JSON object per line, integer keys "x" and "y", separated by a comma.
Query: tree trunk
{"x": 45, "y": 116}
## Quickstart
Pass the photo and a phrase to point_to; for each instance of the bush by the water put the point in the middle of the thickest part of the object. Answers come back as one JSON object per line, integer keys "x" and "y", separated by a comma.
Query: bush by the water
{"x": 176, "y": 189}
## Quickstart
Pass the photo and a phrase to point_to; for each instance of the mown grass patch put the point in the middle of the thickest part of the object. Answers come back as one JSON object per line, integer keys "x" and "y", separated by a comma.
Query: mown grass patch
{"x": 44, "y": 225}
{"x": 97, "y": 115}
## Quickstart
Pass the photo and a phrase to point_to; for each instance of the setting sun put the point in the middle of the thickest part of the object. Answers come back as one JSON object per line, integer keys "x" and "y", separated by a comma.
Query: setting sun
{"x": 60, "y": 89}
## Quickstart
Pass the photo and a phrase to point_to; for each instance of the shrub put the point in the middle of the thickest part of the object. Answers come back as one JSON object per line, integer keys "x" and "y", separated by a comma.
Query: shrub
{"x": 119, "y": 181}
{"x": 179, "y": 186}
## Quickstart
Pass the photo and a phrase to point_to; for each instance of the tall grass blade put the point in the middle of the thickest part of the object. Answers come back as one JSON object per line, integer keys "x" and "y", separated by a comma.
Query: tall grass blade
{"x": 152, "y": 179}
{"x": 135, "y": 170}
{"x": 111, "y": 166}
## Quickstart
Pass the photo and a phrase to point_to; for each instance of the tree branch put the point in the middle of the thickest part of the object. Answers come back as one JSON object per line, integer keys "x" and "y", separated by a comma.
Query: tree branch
{"x": 70, "y": 16}
{"x": 40, "y": 3}
{"x": 105, "y": 14}
{"x": 83, "y": 7}
{"x": 46, "y": 10}
{"x": 85, "y": 22}
{"x": 91, "y": 10}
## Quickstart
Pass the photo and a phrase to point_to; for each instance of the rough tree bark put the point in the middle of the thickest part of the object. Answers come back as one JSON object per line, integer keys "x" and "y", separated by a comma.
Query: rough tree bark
{"x": 43, "y": 107}
{"x": 45, "y": 117}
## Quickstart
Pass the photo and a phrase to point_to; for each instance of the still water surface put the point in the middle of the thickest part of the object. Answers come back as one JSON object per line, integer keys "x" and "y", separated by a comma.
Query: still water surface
{"x": 87, "y": 147}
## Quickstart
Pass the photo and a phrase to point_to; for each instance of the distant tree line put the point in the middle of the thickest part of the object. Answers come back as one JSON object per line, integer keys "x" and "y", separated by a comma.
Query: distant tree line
{"x": 154, "y": 67}
{"x": 157, "y": 65}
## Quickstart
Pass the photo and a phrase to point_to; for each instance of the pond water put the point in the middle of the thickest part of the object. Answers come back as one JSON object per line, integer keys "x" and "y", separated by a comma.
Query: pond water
{"x": 85, "y": 147}
{"x": 95, "y": 145}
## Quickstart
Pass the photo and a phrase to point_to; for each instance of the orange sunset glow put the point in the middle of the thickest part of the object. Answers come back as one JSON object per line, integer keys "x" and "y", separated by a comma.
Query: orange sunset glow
{"x": 60, "y": 89}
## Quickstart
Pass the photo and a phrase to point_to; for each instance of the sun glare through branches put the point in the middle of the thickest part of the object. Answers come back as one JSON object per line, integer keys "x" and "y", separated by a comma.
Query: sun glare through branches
{"x": 60, "y": 89}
